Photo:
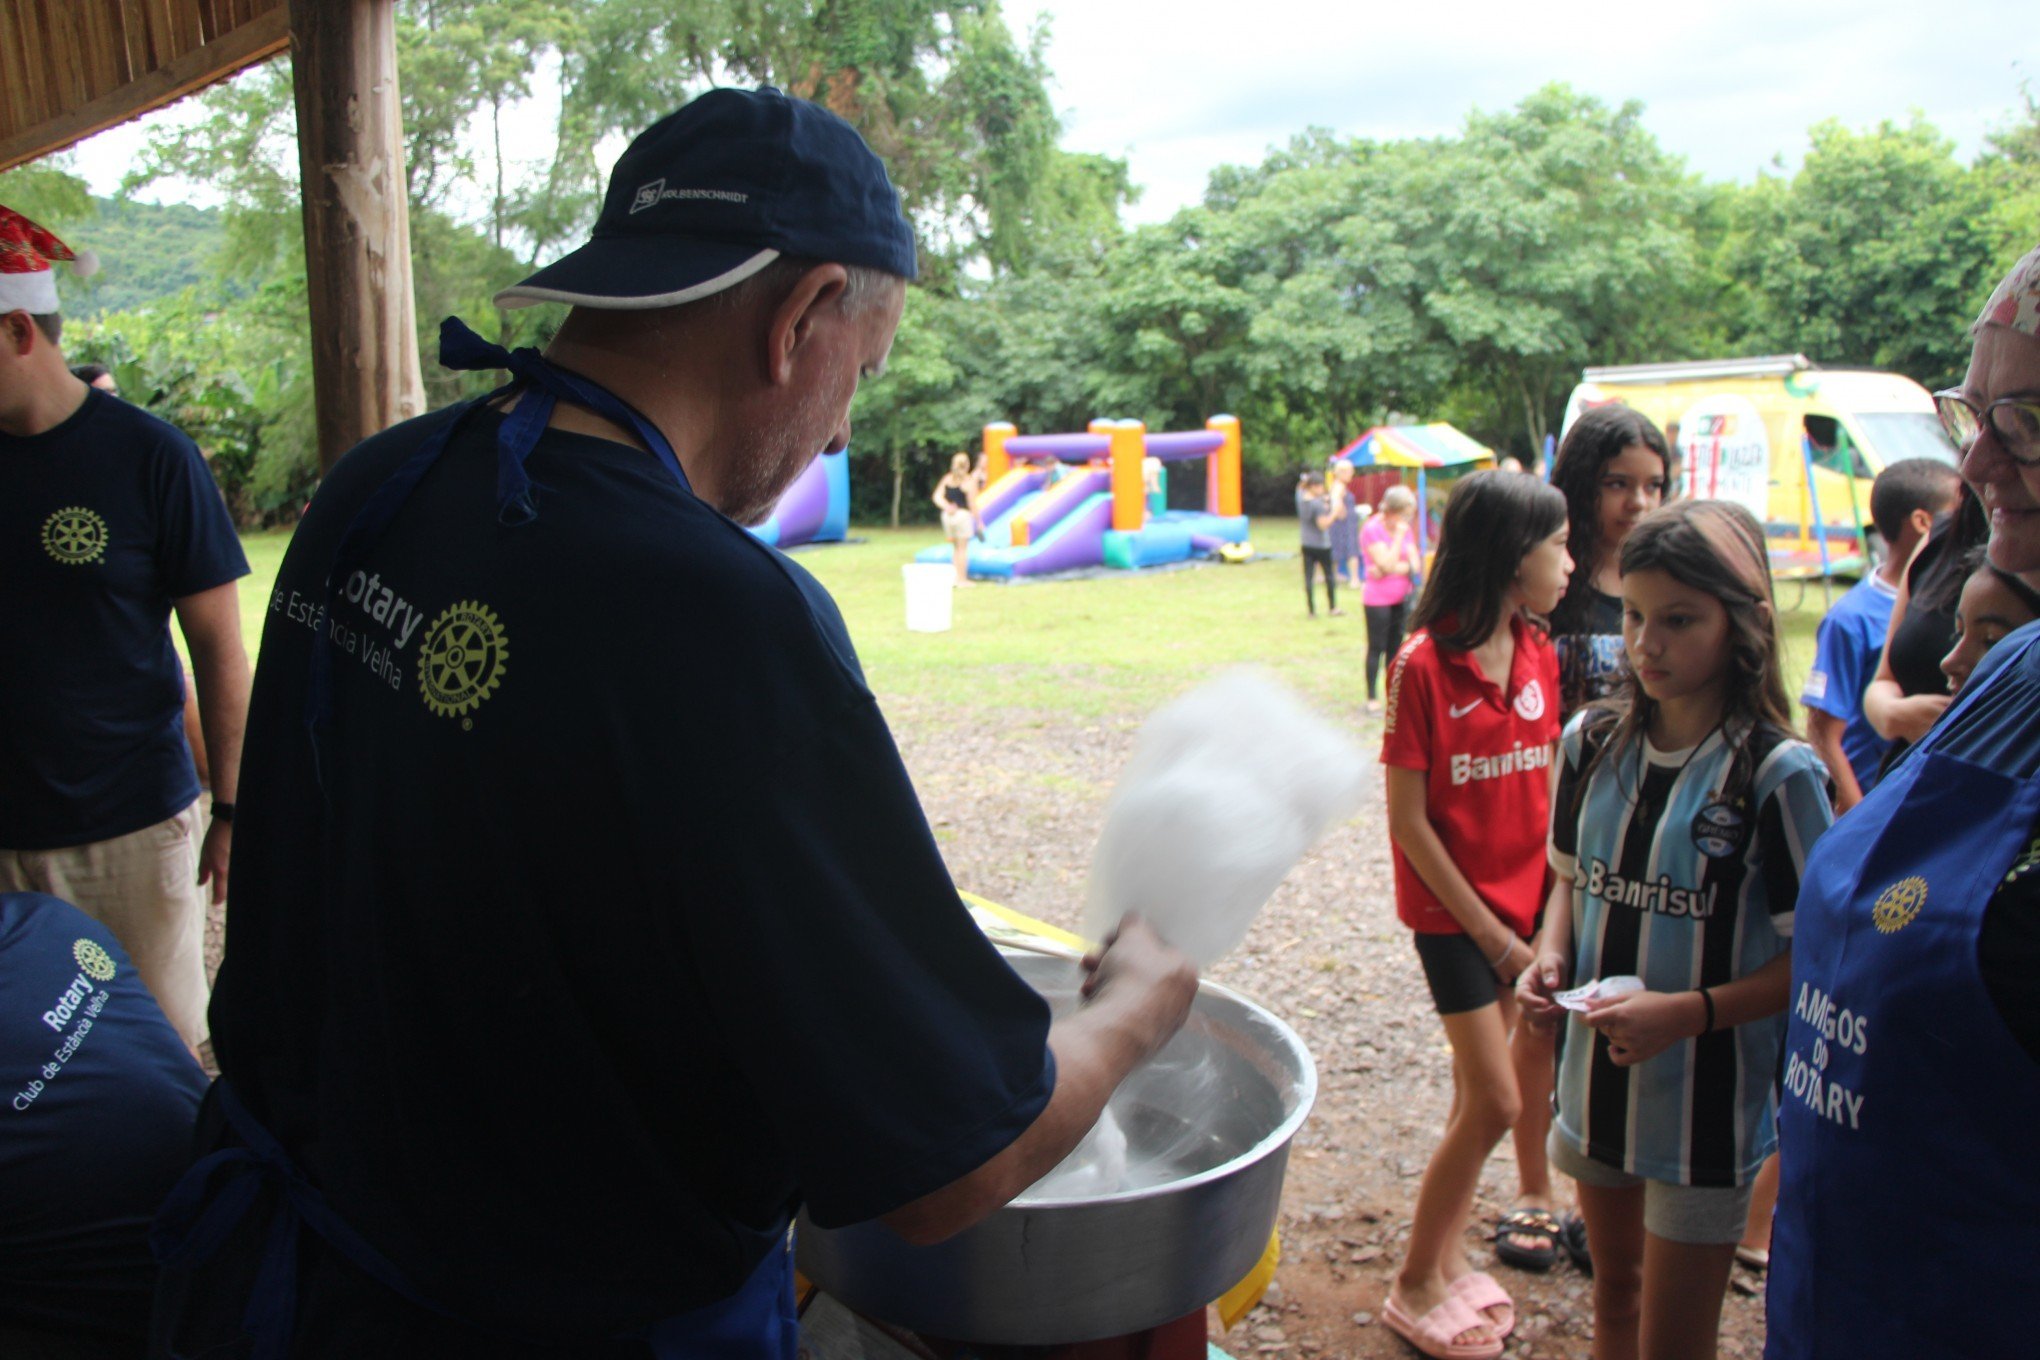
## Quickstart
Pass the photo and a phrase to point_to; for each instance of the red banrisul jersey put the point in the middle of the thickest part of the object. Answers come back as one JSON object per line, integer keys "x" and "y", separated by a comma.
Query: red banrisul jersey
{"x": 1487, "y": 757}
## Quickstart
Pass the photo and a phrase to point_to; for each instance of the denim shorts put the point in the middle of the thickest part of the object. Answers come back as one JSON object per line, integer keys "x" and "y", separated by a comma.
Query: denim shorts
{"x": 1698, "y": 1215}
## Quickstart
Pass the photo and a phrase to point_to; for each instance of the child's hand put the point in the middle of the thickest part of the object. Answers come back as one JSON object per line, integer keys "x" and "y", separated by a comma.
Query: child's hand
{"x": 1641, "y": 1025}
{"x": 1512, "y": 965}
{"x": 1536, "y": 985}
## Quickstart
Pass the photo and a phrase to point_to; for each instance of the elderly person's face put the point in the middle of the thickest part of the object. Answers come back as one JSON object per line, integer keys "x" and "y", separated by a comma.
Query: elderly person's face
{"x": 826, "y": 351}
{"x": 2005, "y": 363}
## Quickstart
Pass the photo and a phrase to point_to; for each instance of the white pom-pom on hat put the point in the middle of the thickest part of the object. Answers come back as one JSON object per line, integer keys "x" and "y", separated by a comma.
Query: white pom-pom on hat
{"x": 85, "y": 263}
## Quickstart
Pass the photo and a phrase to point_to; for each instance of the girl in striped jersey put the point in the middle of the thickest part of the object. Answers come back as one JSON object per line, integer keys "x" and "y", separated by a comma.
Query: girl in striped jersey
{"x": 1684, "y": 810}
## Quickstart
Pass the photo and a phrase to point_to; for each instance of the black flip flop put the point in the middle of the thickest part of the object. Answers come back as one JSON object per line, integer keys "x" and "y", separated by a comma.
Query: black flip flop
{"x": 1572, "y": 1235}
{"x": 1538, "y": 1223}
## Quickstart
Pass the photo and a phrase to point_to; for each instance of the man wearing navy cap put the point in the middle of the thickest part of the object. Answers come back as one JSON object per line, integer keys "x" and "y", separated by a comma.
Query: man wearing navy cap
{"x": 586, "y": 923}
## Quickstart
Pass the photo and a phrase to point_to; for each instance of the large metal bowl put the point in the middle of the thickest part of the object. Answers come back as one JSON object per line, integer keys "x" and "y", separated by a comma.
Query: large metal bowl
{"x": 1209, "y": 1123}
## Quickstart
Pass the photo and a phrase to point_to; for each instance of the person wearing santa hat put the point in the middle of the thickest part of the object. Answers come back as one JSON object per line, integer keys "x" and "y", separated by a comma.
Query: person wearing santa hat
{"x": 109, "y": 523}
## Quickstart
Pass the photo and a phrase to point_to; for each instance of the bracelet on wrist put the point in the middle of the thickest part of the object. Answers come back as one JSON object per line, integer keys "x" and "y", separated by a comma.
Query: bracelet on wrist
{"x": 1496, "y": 961}
{"x": 222, "y": 811}
{"x": 1707, "y": 1000}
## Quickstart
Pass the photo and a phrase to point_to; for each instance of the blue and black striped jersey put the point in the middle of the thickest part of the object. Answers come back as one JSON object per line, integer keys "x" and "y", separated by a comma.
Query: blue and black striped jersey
{"x": 1685, "y": 867}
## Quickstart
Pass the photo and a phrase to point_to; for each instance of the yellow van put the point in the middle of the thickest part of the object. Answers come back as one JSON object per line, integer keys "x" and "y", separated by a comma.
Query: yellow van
{"x": 1796, "y": 443}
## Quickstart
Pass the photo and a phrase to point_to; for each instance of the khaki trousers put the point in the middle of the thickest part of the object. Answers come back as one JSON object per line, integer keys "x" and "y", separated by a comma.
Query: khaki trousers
{"x": 144, "y": 888}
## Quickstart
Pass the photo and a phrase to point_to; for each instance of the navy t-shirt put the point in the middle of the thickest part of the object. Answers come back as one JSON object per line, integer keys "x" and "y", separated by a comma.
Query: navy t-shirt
{"x": 102, "y": 1098}
{"x": 1591, "y": 661}
{"x": 617, "y": 931}
{"x": 104, "y": 521}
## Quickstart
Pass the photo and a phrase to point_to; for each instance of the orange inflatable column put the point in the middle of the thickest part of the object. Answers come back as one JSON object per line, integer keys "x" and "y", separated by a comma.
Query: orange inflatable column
{"x": 1129, "y": 492}
{"x": 997, "y": 464}
{"x": 1226, "y": 466}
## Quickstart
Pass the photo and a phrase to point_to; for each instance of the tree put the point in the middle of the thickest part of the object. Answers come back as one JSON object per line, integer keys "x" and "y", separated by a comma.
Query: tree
{"x": 1878, "y": 252}
{"x": 1553, "y": 237}
{"x": 47, "y": 193}
{"x": 2009, "y": 171}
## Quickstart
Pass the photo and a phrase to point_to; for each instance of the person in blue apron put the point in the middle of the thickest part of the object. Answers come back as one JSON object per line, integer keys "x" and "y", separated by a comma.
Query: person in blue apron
{"x": 586, "y": 924}
{"x": 1909, "y": 1191}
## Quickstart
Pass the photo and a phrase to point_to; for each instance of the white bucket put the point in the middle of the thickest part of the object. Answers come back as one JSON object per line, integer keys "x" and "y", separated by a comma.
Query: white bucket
{"x": 930, "y": 587}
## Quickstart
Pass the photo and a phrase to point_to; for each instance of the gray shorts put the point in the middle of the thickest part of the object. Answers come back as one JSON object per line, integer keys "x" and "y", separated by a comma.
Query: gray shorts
{"x": 1698, "y": 1215}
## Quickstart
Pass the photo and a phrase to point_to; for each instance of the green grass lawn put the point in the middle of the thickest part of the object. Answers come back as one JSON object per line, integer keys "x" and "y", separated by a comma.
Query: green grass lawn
{"x": 1108, "y": 647}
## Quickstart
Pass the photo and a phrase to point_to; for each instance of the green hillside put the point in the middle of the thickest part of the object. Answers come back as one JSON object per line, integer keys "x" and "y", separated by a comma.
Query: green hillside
{"x": 146, "y": 251}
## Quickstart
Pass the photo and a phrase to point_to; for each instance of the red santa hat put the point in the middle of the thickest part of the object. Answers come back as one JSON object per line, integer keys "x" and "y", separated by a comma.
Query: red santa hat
{"x": 27, "y": 281}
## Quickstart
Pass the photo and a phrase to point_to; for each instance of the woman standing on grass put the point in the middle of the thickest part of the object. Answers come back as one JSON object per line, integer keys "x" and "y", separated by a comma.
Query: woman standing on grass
{"x": 1345, "y": 530}
{"x": 1388, "y": 549}
{"x": 1611, "y": 469}
{"x": 1472, "y": 718}
{"x": 956, "y": 496}
{"x": 1684, "y": 811}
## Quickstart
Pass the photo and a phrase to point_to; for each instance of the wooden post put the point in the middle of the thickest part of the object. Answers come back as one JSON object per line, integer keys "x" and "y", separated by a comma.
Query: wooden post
{"x": 357, "y": 220}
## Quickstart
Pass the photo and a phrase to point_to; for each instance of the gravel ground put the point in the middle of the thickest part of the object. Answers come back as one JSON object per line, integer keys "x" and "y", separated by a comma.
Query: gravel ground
{"x": 1017, "y": 810}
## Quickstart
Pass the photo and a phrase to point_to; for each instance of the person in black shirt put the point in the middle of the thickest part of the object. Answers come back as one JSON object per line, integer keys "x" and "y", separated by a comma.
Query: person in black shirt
{"x": 1909, "y": 692}
{"x": 1612, "y": 470}
{"x": 956, "y": 497}
{"x": 109, "y": 524}
{"x": 586, "y": 923}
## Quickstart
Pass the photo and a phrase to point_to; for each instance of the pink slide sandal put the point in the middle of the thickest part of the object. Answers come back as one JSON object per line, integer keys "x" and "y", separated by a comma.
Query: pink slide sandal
{"x": 1433, "y": 1332}
{"x": 1479, "y": 1292}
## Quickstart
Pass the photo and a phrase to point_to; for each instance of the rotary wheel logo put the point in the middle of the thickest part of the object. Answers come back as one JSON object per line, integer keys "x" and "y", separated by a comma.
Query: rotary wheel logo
{"x": 94, "y": 960}
{"x": 75, "y": 536}
{"x": 1898, "y": 904}
{"x": 462, "y": 659}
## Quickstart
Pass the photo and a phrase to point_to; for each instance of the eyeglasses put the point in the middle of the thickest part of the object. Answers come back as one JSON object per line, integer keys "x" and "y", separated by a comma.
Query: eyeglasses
{"x": 2015, "y": 421}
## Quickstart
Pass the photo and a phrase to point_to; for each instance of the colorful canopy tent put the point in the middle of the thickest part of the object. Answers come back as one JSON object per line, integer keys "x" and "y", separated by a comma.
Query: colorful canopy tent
{"x": 1435, "y": 448}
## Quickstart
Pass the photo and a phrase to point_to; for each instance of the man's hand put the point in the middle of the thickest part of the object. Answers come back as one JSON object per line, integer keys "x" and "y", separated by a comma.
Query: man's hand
{"x": 212, "y": 859}
{"x": 1138, "y": 993}
{"x": 1641, "y": 1025}
{"x": 1150, "y": 985}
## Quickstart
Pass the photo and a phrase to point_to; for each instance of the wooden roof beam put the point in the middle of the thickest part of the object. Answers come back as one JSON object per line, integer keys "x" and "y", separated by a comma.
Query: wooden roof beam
{"x": 260, "y": 38}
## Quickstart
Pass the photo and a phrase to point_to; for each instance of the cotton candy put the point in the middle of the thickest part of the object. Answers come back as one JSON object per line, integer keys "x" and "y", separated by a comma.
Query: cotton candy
{"x": 1229, "y": 786}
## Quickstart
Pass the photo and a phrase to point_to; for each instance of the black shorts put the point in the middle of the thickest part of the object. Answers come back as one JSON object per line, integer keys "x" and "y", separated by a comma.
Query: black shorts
{"x": 1458, "y": 972}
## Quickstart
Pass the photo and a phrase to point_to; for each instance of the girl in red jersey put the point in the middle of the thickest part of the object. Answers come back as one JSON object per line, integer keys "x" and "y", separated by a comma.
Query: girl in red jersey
{"x": 1471, "y": 727}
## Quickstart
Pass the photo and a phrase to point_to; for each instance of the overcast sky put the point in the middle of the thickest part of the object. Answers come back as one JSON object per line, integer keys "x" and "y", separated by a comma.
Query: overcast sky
{"x": 1727, "y": 84}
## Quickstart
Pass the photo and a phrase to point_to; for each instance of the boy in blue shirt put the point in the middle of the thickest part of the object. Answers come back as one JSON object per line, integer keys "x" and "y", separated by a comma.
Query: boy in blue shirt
{"x": 1904, "y": 502}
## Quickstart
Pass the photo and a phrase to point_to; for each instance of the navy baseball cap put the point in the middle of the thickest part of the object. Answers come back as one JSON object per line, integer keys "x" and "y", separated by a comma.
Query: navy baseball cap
{"x": 708, "y": 196}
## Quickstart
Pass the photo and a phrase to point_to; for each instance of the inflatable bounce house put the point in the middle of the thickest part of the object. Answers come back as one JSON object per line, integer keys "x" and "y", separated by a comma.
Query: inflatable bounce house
{"x": 815, "y": 509}
{"x": 1060, "y": 502}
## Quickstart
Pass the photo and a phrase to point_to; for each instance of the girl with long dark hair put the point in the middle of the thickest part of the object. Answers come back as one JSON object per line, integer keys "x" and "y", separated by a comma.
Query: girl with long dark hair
{"x": 1611, "y": 469}
{"x": 1468, "y": 741}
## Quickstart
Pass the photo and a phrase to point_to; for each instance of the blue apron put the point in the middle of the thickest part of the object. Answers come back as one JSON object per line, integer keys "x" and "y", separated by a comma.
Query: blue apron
{"x": 1908, "y": 1222}
{"x": 212, "y": 1200}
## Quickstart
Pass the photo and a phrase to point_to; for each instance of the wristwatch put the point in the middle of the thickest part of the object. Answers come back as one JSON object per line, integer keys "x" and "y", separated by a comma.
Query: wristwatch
{"x": 222, "y": 812}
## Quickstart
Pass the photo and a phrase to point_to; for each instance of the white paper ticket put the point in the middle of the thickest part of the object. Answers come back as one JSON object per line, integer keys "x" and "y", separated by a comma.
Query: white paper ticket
{"x": 1606, "y": 989}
